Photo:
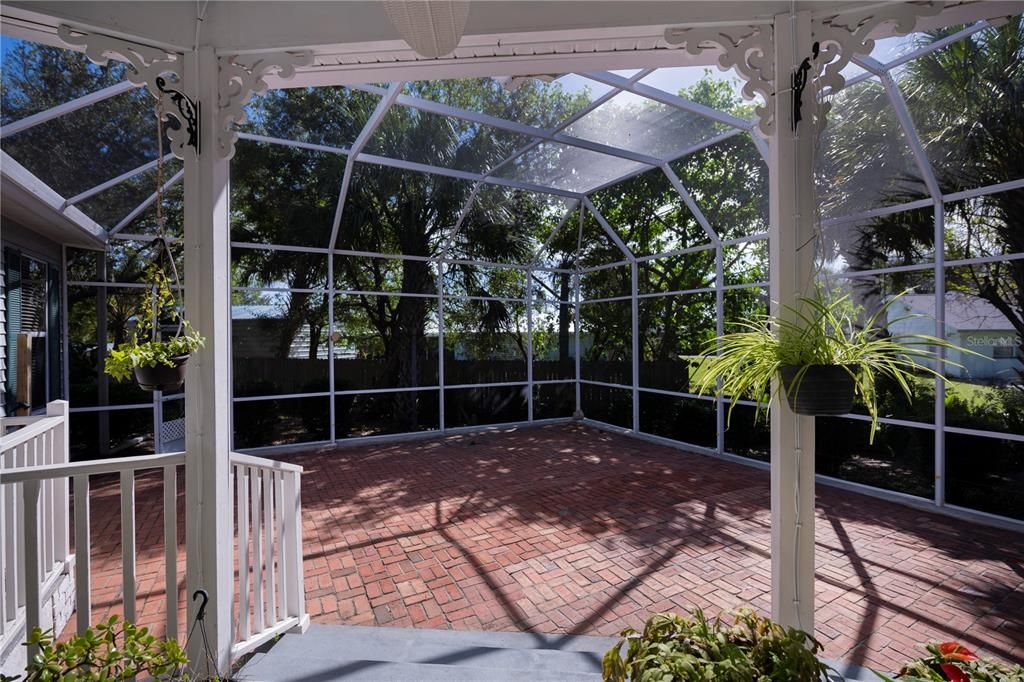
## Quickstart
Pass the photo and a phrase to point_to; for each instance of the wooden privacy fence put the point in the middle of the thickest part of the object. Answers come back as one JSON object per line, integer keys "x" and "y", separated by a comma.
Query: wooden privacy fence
{"x": 269, "y": 376}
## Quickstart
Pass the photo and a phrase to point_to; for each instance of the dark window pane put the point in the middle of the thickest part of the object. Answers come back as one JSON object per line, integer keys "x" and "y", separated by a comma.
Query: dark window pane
{"x": 985, "y": 474}
{"x": 901, "y": 459}
{"x": 746, "y": 436}
{"x": 101, "y": 318}
{"x": 683, "y": 272}
{"x": 485, "y": 342}
{"x": 491, "y": 405}
{"x": 260, "y": 423}
{"x": 554, "y": 342}
{"x": 376, "y": 414}
{"x": 114, "y": 433}
{"x": 551, "y": 401}
{"x": 283, "y": 195}
{"x": 684, "y": 419}
{"x": 609, "y": 405}
{"x": 673, "y": 331}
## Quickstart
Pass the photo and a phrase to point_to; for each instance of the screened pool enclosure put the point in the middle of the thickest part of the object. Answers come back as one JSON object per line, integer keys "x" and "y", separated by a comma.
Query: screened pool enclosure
{"x": 425, "y": 256}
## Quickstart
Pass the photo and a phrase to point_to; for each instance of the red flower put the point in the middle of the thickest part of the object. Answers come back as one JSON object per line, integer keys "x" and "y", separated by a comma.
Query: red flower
{"x": 952, "y": 651}
{"x": 953, "y": 673}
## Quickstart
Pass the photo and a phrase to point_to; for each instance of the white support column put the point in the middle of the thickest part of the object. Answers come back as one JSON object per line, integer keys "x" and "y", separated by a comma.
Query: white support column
{"x": 940, "y": 365}
{"x": 792, "y": 197}
{"x": 207, "y": 388}
{"x": 440, "y": 345}
{"x": 720, "y": 407}
{"x": 529, "y": 345}
{"x": 634, "y": 286}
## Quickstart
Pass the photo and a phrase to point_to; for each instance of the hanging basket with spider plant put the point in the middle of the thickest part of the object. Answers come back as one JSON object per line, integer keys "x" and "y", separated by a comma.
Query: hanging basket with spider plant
{"x": 823, "y": 359}
{"x": 157, "y": 363}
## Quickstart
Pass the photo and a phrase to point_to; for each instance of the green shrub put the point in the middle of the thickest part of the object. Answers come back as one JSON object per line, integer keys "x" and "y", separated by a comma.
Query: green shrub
{"x": 114, "y": 650}
{"x": 751, "y": 648}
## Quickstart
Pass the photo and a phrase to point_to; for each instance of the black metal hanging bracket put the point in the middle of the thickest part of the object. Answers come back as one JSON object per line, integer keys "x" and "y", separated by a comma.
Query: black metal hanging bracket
{"x": 799, "y": 82}
{"x": 188, "y": 111}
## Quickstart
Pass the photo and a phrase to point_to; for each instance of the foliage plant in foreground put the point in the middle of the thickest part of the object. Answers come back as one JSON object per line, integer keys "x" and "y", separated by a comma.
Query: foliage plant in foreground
{"x": 824, "y": 333}
{"x": 953, "y": 662}
{"x": 152, "y": 351}
{"x": 114, "y": 650}
{"x": 750, "y": 649}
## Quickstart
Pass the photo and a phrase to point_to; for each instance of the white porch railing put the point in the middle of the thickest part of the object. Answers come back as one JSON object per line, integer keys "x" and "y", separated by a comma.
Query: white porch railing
{"x": 34, "y": 503}
{"x": 27, "y": 443}
{"x": 268, "y": 536}
{"x": 31, "y": 479}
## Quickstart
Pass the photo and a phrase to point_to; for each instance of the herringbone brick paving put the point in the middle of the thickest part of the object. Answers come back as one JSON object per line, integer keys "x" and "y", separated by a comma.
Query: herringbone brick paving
{"x": 567, "y": 529}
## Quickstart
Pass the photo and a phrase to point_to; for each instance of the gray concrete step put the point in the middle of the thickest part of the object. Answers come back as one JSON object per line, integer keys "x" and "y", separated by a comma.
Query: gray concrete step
{"x": 337, "y": 652}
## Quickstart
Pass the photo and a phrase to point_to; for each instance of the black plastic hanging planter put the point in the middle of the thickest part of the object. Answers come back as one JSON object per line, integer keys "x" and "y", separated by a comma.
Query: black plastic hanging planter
{"x": 162, "y": 377}
{"x": 822, "y": 390}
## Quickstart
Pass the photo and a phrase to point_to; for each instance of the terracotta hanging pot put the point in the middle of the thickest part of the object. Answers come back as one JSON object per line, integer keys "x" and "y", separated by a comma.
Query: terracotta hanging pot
{"x": 822, "y": 390}
{"x": 162, "y": 377}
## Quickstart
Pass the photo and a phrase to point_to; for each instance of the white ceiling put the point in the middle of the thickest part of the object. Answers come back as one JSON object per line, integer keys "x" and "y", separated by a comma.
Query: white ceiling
{"x": 353, "y": 42}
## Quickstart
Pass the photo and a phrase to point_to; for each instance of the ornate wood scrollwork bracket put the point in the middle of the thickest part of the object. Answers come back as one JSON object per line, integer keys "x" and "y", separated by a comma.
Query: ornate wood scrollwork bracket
{"x": 158, "y": 71}
{"x": 161, "y": 73}
{"x": 240, "y": 79}
{"x": 837, "y": 37}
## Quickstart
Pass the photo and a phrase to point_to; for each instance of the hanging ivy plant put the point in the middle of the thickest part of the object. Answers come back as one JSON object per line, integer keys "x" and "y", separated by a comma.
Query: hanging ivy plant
{"x": 155, "y": 364}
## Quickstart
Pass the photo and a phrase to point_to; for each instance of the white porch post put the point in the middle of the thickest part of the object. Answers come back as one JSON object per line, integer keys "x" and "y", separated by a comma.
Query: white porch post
{"x": 791, "y": 248}
{"x": 207, "y": 388}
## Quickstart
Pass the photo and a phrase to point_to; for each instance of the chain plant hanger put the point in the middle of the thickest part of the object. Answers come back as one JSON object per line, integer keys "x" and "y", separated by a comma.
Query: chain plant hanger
{"x": 161, "y": 242}
{"x": 157, "y": 364}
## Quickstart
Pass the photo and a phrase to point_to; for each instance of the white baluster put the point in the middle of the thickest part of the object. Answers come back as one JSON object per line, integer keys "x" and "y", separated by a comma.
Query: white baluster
{"x": 33, "y": 577}
{"x": 12, "y": 533}
{"x": 242, "y": 480}
{"x": 19, "y": 519}
{"x": 128, "y": 543}
{"x": 83, "y": 577}
{"x": 61, "y": 443}
{"x": 293, "y": 545}
{"x": 267, "y": 478}
{"x": 171, "y": 548}
{"x": 257, "y": 550}
{"x": 41, "y": 444}
{"x": 280, "y": 556}
{"x": 5, "y": 537}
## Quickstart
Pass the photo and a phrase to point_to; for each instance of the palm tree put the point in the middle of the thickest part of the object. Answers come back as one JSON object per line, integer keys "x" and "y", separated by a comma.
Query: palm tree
{"x": 966, "y": 101}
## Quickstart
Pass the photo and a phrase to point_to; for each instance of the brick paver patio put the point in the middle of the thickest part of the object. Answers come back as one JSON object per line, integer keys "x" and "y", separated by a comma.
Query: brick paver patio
{"x": 567, "y": 529}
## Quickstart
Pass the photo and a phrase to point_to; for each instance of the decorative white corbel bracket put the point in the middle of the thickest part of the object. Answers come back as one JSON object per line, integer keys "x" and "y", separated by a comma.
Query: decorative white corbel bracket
{"x": 840, "y": 37}
{"x": 158, "y": 71}
{"x": 241, "y": 77}
{"x": 748, "y": 49}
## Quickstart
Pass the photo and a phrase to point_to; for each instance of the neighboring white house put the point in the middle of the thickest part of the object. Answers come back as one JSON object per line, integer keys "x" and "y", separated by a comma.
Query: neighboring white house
{"x": 972, "y": 323}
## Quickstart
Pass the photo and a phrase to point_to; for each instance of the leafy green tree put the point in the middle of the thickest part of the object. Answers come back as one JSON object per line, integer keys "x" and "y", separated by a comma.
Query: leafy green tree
{"x": 728, "y": 181}
{"x": 966, "y": 104}
{"x": 284, "y": 196}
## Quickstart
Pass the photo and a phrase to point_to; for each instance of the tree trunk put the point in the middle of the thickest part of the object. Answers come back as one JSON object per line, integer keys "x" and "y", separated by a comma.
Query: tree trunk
{"x": 407, "y": 351}
{"x": 564, "y": 317}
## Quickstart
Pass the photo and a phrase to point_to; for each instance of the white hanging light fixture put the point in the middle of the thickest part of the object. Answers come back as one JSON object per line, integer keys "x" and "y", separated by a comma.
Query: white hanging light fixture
{"x": 432, "y": 28}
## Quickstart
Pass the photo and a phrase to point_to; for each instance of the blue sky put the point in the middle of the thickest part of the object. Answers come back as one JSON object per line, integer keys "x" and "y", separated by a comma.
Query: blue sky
{"x": 7, "y": 43}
